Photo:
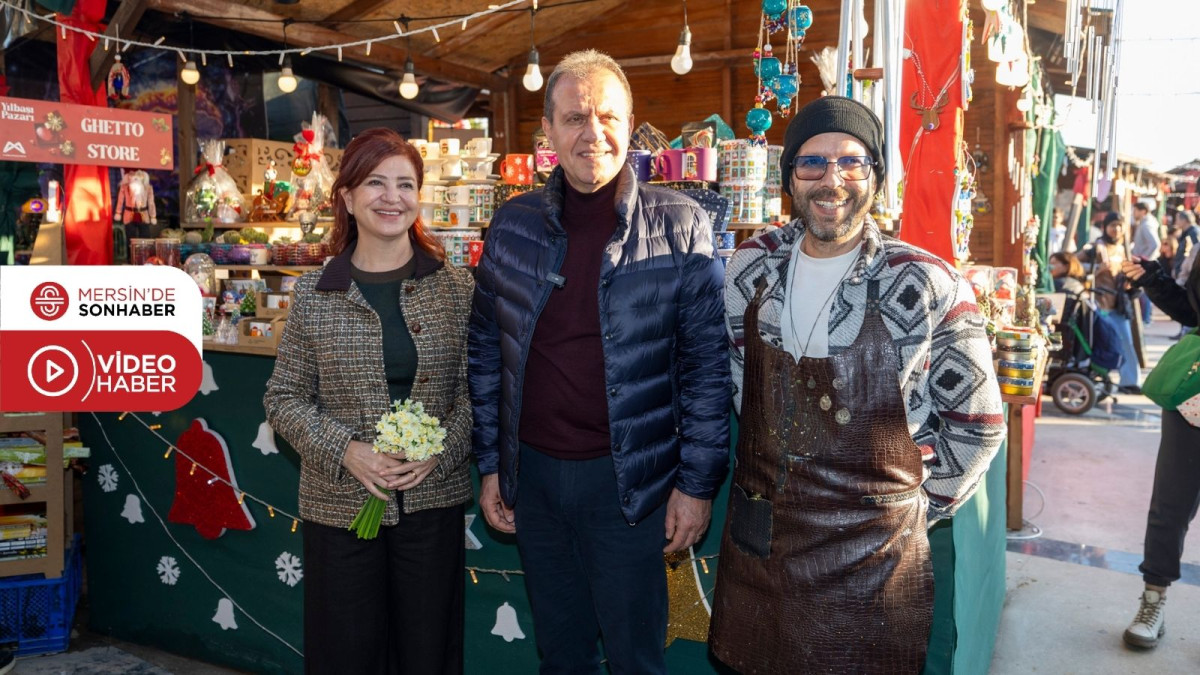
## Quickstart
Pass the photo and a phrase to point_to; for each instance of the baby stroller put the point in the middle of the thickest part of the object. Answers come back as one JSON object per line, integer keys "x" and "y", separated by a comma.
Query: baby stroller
{"x": 1084, "y": 370}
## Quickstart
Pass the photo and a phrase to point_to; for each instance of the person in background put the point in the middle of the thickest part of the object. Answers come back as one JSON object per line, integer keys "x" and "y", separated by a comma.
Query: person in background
{"x": 868, "y": 408}
{"x": 1058, "y": 231}
{"x": 1067, "y": 273}
{"x": 1114, "y": 298}
{"x": 1146, "y": 240}
{"x": 600, "y": 378}
{"x": 1176, "y": 495}
{"x": 384, "y": 321}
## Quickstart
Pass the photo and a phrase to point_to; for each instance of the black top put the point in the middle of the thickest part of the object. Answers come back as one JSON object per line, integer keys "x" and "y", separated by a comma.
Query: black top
{"x": 382, "y": 291}
{"x": 565, "y": 408}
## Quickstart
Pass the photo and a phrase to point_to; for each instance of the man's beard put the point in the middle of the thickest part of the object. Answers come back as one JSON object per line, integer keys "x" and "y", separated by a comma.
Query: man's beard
{"x": 859, "y": 205}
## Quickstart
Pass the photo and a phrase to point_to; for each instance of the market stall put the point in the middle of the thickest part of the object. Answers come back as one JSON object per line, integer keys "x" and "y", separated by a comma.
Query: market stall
{"x": 194, "y": 544}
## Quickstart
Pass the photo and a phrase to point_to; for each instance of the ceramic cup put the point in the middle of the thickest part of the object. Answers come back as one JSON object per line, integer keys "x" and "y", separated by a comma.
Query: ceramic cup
{"x": 460, "y": 215}
{"x": 474, "y": 252}
{"x": 458, "y": 194}
{"x": 479, "y": 147}
{"x": 419, "y": 144}
{"x": 639, "y": 160}
{"x": 427, "y": 191}
{"x": 517, "y": 169}
{"x": 452, "y": 169}
{"x": 430, "y": 150}
{"x": 427, "y": 213}
{"x": 449, "y": 146}
{"x": 701, "y": 164}
{"x": 481, "y": 169}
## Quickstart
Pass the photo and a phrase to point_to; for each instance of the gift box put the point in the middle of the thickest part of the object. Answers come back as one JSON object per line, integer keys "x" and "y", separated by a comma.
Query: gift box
{"x": 274, "y": 302}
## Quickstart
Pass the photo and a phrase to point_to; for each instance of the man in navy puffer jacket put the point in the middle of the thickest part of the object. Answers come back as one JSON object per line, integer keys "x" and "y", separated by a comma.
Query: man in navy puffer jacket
{"x": 598, "y": 365}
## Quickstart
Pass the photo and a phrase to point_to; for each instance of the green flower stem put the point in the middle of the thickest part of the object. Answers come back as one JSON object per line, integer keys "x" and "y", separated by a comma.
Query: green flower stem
{"x": 366, "y": 523}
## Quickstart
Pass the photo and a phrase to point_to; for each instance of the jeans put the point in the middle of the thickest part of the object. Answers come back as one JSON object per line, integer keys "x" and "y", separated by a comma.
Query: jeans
{"x": 1147, "y": 308}
{"x": 389, "y": 605}
{"x": 1174, "y": 501}
{"x": 589, "y": 573}
{"x": 1130, "y": 373}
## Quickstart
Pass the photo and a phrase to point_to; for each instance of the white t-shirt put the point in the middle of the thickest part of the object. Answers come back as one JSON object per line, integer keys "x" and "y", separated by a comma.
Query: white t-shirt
{"x": 809, "y": 300}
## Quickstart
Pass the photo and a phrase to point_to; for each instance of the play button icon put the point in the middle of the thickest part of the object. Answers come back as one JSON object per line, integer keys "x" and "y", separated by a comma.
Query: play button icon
{"x": 52, "y": 370}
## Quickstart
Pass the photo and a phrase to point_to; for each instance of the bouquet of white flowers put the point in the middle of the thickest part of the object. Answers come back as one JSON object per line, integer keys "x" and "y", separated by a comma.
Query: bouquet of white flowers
{"x": 410, "y": 433}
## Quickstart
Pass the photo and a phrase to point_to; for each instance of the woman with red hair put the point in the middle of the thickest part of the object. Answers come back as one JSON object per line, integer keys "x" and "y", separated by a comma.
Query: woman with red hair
{"x": 384, "y": 321}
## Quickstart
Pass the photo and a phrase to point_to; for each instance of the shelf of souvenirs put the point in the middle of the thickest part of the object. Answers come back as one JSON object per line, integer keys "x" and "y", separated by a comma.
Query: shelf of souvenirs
{"x": 275, "y": 224}
{"x": 212, "y": 346}
{"x": 287, "y": 269}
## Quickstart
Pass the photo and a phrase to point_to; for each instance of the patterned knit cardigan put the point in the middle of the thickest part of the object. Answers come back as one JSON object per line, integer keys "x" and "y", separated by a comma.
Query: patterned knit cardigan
{"x": 329, "y": 385}
{"x": 946, "y": 375}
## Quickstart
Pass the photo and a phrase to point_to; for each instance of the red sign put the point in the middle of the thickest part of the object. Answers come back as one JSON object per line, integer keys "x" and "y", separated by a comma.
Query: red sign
{"x": 98, "y": 370}
{"x": 65, "y": 133}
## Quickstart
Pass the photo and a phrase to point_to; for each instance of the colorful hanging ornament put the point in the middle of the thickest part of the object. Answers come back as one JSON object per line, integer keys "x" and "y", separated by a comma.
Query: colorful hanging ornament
{"x": 773, "y": 9}
{"x": 118, "y": 80}
{"x": 778, "y": 76}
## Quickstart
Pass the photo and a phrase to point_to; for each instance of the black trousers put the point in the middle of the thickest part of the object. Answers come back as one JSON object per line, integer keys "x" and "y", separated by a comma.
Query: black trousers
{"x": 1174, "y": 501}
{"x": 392, "y": 605}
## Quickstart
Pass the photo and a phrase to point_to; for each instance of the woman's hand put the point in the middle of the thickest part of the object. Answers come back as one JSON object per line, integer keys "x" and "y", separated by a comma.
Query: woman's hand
{"x": 410, "y": 474}
{"x": 376, "y": 471}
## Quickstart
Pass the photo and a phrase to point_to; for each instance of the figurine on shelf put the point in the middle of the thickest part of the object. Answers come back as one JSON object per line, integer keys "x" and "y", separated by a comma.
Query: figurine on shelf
{"x": 135, "y": 204}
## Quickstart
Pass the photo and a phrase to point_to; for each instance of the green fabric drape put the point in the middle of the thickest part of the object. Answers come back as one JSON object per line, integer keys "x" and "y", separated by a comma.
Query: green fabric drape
{"x": 1051, "y": 154}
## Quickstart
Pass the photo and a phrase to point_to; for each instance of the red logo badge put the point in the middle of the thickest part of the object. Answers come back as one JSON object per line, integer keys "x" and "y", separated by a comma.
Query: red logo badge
{"x": 49, "y": 301}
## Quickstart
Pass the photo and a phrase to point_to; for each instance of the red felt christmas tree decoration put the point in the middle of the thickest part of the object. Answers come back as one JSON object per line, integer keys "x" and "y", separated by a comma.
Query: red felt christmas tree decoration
{"x": 206, "y": 493}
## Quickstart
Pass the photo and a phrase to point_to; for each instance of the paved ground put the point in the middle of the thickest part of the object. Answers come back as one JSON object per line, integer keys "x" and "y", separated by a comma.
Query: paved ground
{"x": 1071, "y": 590}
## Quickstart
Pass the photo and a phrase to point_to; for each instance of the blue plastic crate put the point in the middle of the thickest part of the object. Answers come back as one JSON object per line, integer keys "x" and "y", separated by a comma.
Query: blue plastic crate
{"x": 36, "y": 613}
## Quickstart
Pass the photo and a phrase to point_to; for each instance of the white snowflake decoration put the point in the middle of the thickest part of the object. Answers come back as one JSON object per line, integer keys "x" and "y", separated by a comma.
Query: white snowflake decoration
{"x": 168, "y": 570}
{"x": 288, "y": 567}
{"x": 107, "y": 478}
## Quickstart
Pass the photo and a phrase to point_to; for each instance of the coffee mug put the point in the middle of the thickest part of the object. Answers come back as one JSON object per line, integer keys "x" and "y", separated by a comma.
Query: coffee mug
{"x": 702, "y": 164}
{"x": 517, "y": 169}
{"x": 430, "y": 150}
{"x": 639, "y": 160}
{"x": 427, "y": 213}
{"x": 427, "y": 193}
{"x": 452, "y": 169}
{"x": 474, "y": 252}
{"x": 458, "y": 194}
{"x": 419, "y": 144}
{"x": 481, "y": 169}
{"x": 449, "y": 146}
{"x": 479, "y": 147}
{"x": 460, "y": 215}
{"x": 670, "y": 164}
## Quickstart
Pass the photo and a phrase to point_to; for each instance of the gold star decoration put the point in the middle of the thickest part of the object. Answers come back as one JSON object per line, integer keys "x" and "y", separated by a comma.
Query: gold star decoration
{"x": 159, "y": 123}
{"x": 164, "y": 157}
{"x": 67, "y": 148}
{"x": 54, "y": 121}
{"x": 688, "y": 611}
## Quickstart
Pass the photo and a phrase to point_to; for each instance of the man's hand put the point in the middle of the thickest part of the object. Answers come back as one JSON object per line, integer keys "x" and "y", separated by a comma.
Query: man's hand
{"x": 376, "y": 471}
{"x": 687, "y": 519}
{"x": 1133, "y": 270}
{"x": 495, "y": 512}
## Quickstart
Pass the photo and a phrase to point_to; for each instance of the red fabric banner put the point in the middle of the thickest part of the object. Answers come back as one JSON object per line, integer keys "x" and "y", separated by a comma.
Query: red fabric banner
{"x": 87, "y": 211}
{"x": 934, "y": 32}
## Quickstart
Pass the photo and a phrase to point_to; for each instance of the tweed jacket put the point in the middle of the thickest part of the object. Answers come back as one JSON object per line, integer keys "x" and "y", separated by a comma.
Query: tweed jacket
{"x": 946, "y": 376}
{"x": 329, "y": 385}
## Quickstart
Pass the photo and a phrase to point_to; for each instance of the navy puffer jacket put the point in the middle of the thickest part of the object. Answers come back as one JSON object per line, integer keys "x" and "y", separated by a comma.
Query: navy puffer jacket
{"x": 666, "y": 358}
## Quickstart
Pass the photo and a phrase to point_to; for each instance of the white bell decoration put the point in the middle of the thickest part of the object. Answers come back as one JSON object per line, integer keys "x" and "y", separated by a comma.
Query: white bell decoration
{"x": 208, "y": 383}
{"x": 133, "y": 510}
{"x": 265, "y": 442}
{"x": 224, "y": 616}
{"x": 1008, "y": 43}
{"x": 506, "y": 624}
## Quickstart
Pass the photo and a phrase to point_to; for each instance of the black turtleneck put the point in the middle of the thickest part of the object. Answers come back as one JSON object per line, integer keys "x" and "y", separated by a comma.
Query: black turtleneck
{"x": 564, "y": 408}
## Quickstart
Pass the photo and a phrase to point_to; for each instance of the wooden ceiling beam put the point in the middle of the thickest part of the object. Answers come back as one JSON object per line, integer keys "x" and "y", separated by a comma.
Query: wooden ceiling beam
{"x": 355, "y": 10}
{"x": 464, "y": 38}
{"x": 721, "y": 57}
{"x": 254, "y": 21}
{"x": 125, "y": 19}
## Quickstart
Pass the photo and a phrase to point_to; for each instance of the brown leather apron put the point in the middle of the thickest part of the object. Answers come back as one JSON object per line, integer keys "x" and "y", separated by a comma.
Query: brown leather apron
{"x": 824, "y": 563}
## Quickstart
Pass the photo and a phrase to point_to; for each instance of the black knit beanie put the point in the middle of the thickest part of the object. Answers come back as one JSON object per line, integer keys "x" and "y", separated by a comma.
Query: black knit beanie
{"x": 833, "y": 114}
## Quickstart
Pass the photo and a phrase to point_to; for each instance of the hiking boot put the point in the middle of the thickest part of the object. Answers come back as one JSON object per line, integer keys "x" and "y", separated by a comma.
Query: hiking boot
{"x": 1149, "y": 624}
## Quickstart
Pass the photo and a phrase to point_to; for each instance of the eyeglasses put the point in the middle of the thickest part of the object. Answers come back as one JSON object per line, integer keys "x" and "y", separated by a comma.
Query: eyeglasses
{"x": 813, "y": 167}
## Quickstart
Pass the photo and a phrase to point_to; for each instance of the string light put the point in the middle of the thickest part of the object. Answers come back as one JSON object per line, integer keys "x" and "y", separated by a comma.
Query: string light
{"x": 271, "y": 510}
{"x": 241, "y": 498}
{"x": 156, "y": 427}
{"x": 295, "y": 524}
{"x": 167, "y": 454}
{"x": 474, "y": 579}
{"x": 160, "y": 40}
{"x": 704, "y": 564}
{"x": 121, "y": 417}
{"x": 193, "y": 471}
{"x": 213, "y": 480}
{"x": 368, "y": 49}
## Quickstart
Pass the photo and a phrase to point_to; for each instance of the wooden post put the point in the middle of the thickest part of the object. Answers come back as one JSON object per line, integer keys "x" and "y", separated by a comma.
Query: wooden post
{"x": 185, "y": 137}
{"x": 727, "y": 68}
{"x": 327, "y": 105}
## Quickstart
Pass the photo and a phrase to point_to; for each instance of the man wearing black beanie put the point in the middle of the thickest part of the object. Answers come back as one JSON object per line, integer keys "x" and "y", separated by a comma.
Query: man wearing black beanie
{"x": 869, "y": 407}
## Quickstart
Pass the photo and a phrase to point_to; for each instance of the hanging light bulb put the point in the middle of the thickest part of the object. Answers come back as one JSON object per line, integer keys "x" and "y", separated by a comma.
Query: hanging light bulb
{"x": 533, "y": 72}
{"x": 408, "y": 83}
{"x": 994, "y": 5}
{"x": 189, "y": 74}
{"x": 287, "y": 81}
{"x": 681, "y": 63}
